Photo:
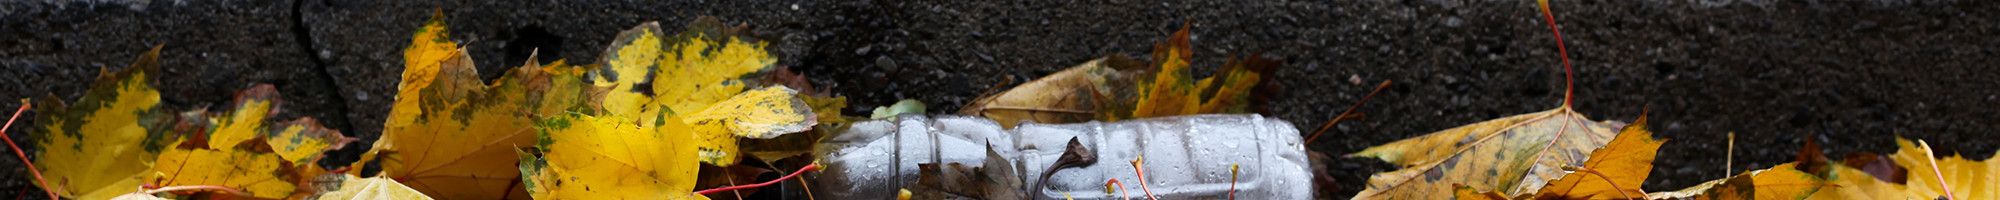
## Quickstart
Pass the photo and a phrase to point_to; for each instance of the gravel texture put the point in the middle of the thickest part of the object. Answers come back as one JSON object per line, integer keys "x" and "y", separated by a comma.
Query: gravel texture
{"x": 1852, "y": 75}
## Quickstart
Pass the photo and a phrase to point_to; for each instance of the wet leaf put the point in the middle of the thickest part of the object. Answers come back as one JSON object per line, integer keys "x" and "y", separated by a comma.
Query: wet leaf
{"x": 1513, "y": 155}
{"x": 99, "y": 147}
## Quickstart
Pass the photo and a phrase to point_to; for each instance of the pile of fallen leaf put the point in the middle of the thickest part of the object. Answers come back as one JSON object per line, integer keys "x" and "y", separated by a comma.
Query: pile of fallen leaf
{"x": 657, "y": 117}
{"x": 1559, "y": 154}
{"x": 661, "y": 115}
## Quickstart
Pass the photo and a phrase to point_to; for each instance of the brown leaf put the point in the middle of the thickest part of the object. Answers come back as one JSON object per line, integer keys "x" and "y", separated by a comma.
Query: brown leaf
{"x": 1513, "y": 155}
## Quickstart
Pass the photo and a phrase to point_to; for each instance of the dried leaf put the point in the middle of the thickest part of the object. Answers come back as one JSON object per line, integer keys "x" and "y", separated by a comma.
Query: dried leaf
{"x": 1515, "y": 155}
{"x": 1968, "y": 179}
{"x": 1067, "y": 96}
{"x": 1618, "y": 168}
{"x": 995, "y": 179}
{"x": 1173, "y": 90}
{"x": 1115, "y": 88}
{"x": 99, "y": 147}
{"x": 450, "y": 136}
{"x": 233, "y": 153}
{"x": 355, "y": 188}
{"x": 1462, "y": 192}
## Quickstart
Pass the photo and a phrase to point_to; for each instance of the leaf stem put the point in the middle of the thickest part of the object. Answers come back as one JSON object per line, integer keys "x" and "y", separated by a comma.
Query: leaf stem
{"x": 1346, "y": 114}
{"x": 1729, "y": 157}
{"x": 1139, "y": 165}
{"x": 1931, "y": 158}
{"x": 24, "y": 156}
{"x": 1569, "y": 74}
{"x": 1120, "y": 188}
{"x": 809, "y": 167}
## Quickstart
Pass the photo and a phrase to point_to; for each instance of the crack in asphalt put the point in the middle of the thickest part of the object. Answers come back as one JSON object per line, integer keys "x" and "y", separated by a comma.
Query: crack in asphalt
{"x": 305, "y": 40}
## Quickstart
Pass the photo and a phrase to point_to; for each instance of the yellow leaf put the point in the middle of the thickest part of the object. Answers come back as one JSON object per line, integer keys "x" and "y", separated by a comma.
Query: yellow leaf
{"x": 355, "y": 188}
{"x": 1173, "y": 90}
{"x": 1169, "y": 92}
{"x": 1462, "y": 192}
{"x": 1784, "y": 181}
{"x": 590, "y": 157}
{"x": 701, "y": 69}
{"x": 761, "y": 114}
{"x": 451, "y": 136}
{"x": 1116, "y": 88}
{"x": 1513, "y": 155}
{"x": 1967, "y": 179}
{"x": 1619, "y": 168}
{"x": 1851, "y": 183}
{"x": 692, "y": 74}
{"x": 1239, "y": 81}
{"x": 232, "y": 154}
{"x": 99, "y": 147}
{"x": 629, "y": 63}
{"x": 302, "y": 141}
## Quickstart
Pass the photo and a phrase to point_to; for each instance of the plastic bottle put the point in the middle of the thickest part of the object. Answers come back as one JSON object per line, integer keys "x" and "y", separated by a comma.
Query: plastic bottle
{"x": 1187, "y": 157}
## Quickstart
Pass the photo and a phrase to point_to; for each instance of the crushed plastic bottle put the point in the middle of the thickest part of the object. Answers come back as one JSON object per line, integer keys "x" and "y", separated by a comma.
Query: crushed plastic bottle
{"x": 1186, "y": 157}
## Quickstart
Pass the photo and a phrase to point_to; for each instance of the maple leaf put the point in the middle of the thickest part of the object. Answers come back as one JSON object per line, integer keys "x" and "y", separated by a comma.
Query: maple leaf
{"x": 584, "y": 157}
{"x": 451, "y": 136}
{"x": 1173, "y": 91}
{"x": 648, "y": 142}
{"x": 1117, "y": 88}
{"x": 1966, "y": 179}
{"x": 96, "y": 148}
{"x": 1067, "y": 96}
{"x": 1515, "y": 155}
{"x": 1612, "y": 172}
{"x": 304, "y": 141}
{"x": 699, "y": 76}
{"x": 231, "y": 149}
